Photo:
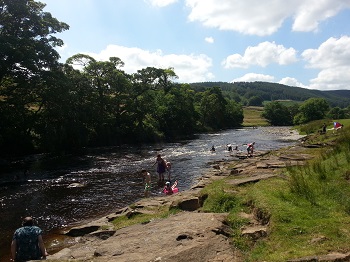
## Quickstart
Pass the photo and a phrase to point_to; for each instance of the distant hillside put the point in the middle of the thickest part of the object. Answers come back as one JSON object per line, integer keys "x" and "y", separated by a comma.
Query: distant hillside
{"x": 273, "y": 91}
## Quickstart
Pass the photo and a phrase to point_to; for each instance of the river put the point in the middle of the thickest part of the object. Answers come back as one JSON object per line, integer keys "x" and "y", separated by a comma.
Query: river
{"x": 110, "y": 178}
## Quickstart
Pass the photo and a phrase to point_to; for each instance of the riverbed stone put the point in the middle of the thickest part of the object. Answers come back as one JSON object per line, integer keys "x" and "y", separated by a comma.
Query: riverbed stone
{"x": 81, "y": 231}
{"x": 254, "y": 232}
{"x": 186, "y": 236}
{"x": 190, "y": 204}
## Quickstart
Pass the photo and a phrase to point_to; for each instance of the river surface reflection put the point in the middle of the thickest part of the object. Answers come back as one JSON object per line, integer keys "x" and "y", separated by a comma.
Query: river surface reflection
{"x": 110, "y": 178}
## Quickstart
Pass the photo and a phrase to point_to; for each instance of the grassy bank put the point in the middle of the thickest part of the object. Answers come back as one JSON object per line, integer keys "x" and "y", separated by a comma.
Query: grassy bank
{"x": 308, "y": 207}
{"x": 252, "y": 116}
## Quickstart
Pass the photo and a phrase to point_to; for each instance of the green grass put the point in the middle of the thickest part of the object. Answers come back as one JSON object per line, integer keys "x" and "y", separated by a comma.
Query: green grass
{"x": 295, "y": 221}
{"x": 220, "y": 198}
{"x": 252, "y": 116}
{"x": 314, "y": 126}
{"x": 309, "y": 203}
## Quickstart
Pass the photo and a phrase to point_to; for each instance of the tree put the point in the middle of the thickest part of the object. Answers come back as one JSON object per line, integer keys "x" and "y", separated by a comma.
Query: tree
{"x": 217, "y": 112}
{"x": 311, "y": 109}
{"x": 27, "y": 58}
{"x": 150, "y": 87}
{"x": 255, "y": 101}
{"x": 109, "y": 96}
{"x": 277, "y": 114}
{"x": 234, "y": 114}
{"x": 212, "y": 109}
{"x": 336, "y": 113}
{"x": 26, "y": 39}
{"x": 177, "y": 112}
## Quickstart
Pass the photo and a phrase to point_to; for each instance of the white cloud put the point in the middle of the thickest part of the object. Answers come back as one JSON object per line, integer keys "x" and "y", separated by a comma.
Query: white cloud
{"x": 252, "y": 77}
{"x": 209, "y": 40}
{"x": 332, "y": 79}
{"x": 332, "y": 58}
{"x": 310, "y": 13}
{"x": 290, "y": 81}
{"x": 262, "y": 55}
{"x": 161, "y": 3}
{"x": 254, "y": 17}
{"x": 189, "y": 68}
{"x": 333, "y": 52}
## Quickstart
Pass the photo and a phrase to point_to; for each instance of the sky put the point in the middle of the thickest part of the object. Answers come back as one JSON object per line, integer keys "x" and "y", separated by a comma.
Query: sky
{"x": 304, "y": 43}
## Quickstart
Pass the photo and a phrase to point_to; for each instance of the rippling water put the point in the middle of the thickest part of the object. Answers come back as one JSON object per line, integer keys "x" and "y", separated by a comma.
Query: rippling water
{"x": 110, "y": 178}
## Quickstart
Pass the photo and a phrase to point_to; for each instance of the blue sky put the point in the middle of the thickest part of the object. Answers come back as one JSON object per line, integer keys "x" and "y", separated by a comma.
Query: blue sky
{"x": 303, "y": 43}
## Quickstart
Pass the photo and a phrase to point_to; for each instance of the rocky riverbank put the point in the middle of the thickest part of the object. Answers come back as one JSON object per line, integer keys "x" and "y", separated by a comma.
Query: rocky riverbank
{"x": 189, "y": 235}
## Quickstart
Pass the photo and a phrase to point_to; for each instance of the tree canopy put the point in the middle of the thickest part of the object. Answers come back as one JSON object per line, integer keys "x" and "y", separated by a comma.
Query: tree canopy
{"x": 278, "y": 114}
{"x": 27, "y": 39}
{"x": 311, "y": 109}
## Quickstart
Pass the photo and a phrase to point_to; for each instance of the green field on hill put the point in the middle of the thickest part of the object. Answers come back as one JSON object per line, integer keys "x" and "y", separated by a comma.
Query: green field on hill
{"x": 252, "y": 116}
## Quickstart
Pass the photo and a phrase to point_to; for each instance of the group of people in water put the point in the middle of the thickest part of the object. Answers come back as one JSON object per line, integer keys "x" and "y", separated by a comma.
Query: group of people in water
{"x": 163, "y": 167}
{"x": 230, "y": 148}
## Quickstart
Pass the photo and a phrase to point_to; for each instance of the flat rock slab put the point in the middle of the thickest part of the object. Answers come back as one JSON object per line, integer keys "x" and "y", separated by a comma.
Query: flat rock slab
{"x": 187, "y": 236}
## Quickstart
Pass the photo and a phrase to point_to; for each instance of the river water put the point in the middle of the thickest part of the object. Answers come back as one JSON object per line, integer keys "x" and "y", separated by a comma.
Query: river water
{"x": 110, "y": 178}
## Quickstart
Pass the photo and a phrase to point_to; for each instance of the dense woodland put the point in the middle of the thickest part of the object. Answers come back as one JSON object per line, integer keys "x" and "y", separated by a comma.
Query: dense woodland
{"x": 49, "y": 106}
{"x": 255, "y": 93}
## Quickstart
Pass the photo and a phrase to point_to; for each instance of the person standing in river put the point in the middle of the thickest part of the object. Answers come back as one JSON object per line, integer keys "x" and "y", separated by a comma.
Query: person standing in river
{"x": 27, "y": 242}
{"x": 161, "y": 168}
{"x": 250, "y": 149}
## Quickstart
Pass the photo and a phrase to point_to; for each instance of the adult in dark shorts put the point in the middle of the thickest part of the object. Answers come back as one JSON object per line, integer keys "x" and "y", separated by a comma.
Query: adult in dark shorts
{"x": 161, "y": 169}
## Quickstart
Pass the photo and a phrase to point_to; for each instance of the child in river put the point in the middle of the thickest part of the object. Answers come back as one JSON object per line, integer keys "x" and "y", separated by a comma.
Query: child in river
{"x": 168, "y": 169}
{"x": 168, "y": 190}
{"x": 147, "y": 181}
